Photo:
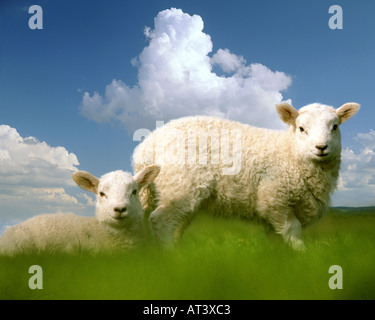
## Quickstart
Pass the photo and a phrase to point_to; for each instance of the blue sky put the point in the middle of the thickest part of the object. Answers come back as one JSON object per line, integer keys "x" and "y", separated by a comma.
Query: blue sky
{"x": 75, "y": 85}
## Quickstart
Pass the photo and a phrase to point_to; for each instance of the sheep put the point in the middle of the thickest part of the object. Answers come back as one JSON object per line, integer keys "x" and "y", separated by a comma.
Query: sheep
{"x": 283, "y": 178}
{"x": 118, "y": 224}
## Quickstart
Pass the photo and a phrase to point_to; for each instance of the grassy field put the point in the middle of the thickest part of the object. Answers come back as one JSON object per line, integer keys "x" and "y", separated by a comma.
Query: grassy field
{"x": 216, "y": 259}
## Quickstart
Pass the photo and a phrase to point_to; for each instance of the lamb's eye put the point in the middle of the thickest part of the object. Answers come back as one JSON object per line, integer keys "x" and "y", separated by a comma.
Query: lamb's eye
{"x": 334, "y": 127}
{"x": 102, "y": 194}
{"x": 301, "y": 129}
{"x": 134, "y": 191}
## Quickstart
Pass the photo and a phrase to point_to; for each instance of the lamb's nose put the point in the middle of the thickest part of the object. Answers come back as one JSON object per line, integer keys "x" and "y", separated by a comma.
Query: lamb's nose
{"x": 321, "y": 147}
{"x": 119, "y": 209}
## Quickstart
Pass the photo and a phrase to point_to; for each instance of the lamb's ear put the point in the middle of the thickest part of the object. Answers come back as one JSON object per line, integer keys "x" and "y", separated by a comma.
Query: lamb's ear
{"x": 86, "y": 181}
{"x": 287, "y": 113}
{"x": 147, "y": 175}
{"x": 347, "y": 111}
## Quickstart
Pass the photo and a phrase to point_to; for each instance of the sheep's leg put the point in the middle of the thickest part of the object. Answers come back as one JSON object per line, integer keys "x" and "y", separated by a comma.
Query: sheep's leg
{"x": 174, "y": 212}
{"x": 167, "y": 224}
{"x": 183, "y": 223}
{"x": 280, "y": 215}
{"x": 292, "y": 232}
{"x": 163, "y": 224}
{"x": 289, "y": 227}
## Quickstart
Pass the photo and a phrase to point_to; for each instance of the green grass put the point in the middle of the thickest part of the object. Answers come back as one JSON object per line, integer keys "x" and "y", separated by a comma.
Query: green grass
{"x": 216, "y": 259}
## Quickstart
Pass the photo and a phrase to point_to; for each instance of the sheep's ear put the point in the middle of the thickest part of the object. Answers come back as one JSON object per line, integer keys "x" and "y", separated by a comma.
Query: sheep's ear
{"x": 147, "y": 175}
{"x": 86, "y": 181}
{"x": 347, "y": 111}
{"x": 287, "y": 113}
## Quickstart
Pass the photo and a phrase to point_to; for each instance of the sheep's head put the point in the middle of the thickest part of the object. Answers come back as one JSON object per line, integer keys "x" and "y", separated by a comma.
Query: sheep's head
{"x": 117, "y": 201}
{"x": 316, "y": 128}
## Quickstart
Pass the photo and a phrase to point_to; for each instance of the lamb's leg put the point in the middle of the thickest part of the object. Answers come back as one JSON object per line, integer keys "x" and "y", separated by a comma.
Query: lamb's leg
{"x": 159, "y": 228}
{"x": 164, "y": 221}
{"x": 176, "y": 210}
{"x": 278, "y": 213}
{"x": 289, "y": 227}
{"x": 292, "y": 232}
{"x": 181, "y": 227}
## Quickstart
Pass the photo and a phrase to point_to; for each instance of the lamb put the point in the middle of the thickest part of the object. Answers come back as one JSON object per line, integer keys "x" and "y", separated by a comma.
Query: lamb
{"x": 118, "y": 224}
{"x": 284, "y": 178}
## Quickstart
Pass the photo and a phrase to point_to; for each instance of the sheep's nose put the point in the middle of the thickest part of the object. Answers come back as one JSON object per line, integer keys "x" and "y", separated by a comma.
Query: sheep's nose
{"x": 119, "y": 213}
{"x": 120, "y": 209}
{"x": 321, "y": 147}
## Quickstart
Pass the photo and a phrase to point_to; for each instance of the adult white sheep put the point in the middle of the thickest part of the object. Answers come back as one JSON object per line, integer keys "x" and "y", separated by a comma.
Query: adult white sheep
{"x": 284, "y": 178}
{"x": 118, "y": 224}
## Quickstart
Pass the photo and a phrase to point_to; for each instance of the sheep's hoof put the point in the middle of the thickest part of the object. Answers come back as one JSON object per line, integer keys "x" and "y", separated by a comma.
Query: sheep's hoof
{"x": 298, "y": 245}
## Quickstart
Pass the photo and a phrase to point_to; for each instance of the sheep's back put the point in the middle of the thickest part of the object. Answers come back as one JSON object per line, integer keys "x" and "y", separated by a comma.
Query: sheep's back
{"x": 52, "y": 233}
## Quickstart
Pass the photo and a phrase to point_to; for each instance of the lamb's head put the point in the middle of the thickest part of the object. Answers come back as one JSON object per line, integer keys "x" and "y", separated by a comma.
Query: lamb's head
{"x": 117, "y": 201}
{"x": 316, "y": 129}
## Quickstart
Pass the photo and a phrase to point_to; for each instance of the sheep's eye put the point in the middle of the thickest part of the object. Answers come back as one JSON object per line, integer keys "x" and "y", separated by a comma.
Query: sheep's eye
{"x": 134, "y": 192}
{"x": 334, "y": 127}
{"x": 301, "y": 129}
{"x": 102, "y": 194}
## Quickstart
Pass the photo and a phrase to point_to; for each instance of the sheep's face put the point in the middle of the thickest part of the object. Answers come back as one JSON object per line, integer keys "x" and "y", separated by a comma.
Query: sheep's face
{"x": 116, "y": 192}
{"x": 117, "y": 199}
{"x": 316, "y": 129}
{"x": 317, "y": 133}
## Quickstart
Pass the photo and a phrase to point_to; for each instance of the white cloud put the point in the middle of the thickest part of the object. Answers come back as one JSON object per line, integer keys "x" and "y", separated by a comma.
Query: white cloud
{"x": 357, "y": 175}
{"x": 367, "y": 139}
{"x": 229, "y": 62}
{"x": 26, "y": 161}
{"x": 30, "y": 195}
{"x": 176, "y": 78}
{"x": 89, "y": 201}
{"x": 34, "y": 177}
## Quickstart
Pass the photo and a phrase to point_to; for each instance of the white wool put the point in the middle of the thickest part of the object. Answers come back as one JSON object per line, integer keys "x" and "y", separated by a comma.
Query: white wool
{"x": 232, "y": 169}
{"x": 118, "y": 224}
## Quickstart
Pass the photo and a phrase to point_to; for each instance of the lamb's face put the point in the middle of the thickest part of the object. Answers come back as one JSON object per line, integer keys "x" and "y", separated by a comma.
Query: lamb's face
{"x": 117, "y": 199}
{"x": 116, "y": 192}
{"x": 316, "y": 129}
{"x": 317, "y": 133}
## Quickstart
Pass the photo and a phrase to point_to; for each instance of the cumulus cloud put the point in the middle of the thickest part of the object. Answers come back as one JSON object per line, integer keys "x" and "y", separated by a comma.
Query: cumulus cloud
{"x": 29, "y": 195}
{"x": 357, "y": 176}
{"x": 176, "y": 78}
{"x": 367, "y": 139}
{"x": 88, "y": 200}
{"x": 26, "y": 161}
{"x": 228, "y": 61}
{"x": 34, "y": 176}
